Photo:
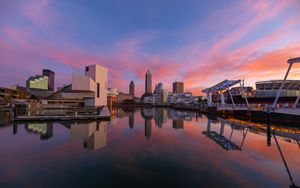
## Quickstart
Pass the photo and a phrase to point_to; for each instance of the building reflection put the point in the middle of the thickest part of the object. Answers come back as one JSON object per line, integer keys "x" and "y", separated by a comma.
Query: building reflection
{"x": 178, "y": 124}
{"x": 284, "y": 134}
{"x": 93, "y": 134}
{"x": 45, "y": 130}
{"x": 147, "y": 113}
{"x": 131, "y": 120}
{"x": 148, "y": 128}
{"x": 181, "y": 115}
{"x": 160, "y": 116}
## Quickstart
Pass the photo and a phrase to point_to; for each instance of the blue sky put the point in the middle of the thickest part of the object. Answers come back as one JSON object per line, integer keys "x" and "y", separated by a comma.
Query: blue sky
{"x": 197, "y": 42}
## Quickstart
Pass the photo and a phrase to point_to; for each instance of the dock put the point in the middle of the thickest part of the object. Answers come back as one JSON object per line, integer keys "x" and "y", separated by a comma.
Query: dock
{"x": 104, "y": 114}
{"x": 60, "y": 118}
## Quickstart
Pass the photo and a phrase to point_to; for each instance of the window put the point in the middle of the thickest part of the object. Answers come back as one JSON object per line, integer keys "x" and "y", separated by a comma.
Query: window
{"x": 98, "y": 90}
{"x": 86, "y": 69}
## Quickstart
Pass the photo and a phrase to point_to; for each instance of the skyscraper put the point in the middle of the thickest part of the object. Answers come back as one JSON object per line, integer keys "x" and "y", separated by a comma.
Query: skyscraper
{"x": 50, "y": 74}
{"x": 178, "y": 87}
{"x": 131, "y": 89}
{"x": 148, "y": 82}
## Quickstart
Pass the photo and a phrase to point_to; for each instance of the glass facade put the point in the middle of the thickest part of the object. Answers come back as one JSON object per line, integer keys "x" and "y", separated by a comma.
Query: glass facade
{"x": 39, "y": 83}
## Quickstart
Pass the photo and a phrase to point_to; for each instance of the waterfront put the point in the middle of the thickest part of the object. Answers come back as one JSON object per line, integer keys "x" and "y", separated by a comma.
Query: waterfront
{"x": 153, "y": 147}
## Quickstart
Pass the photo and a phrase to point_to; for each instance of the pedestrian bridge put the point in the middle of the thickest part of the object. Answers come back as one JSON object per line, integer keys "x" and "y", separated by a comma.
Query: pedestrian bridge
{"x": 225, "y": 86}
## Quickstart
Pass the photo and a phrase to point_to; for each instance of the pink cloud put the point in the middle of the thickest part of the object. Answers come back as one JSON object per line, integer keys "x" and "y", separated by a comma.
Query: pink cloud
{"x": 39, "y": 13}
{"x": 197, "y": 64}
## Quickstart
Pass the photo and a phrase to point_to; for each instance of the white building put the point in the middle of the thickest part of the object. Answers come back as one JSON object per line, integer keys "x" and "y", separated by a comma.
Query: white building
{"x": 91, "y": 87}
{"x": 182, "y": 98}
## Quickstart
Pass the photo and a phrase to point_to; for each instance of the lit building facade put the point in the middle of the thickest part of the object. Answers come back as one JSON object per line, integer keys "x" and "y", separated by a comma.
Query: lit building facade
{"x": 37, "y": 83}
{"x": 112, "y": 96}
{"x": 236, "y": 91}
{"x": 43, "y": 82}
{"x": 182, "y": 98}
{"x": 270, "y": 88}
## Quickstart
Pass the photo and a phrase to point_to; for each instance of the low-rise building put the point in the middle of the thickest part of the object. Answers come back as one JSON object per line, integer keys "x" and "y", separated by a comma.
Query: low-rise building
{"x": 41, "y": 85}
{"x": 159, "y": 97}
{"x": 89, "y": 89}
{"x": 182, "y": 98}
{"x": 237, "y": 91}
{"x": 112, "y": 96}
{"x": 13, "y": 92}
{"x": 269, "y": 88}
{"x": 124, "y": 98}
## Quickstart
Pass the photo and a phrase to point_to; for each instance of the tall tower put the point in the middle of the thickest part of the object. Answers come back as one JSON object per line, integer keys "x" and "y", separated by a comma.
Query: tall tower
{"x": 131, "y": 89}
{"x": 148, "y": 82}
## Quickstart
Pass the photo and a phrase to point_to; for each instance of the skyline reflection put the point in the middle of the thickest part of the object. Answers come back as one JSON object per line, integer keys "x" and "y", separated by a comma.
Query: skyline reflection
{"x": 153, "y": 133}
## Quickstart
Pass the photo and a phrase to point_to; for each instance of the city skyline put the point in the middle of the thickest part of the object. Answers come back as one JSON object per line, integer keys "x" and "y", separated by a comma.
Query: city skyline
{"x": 249, "y": 40}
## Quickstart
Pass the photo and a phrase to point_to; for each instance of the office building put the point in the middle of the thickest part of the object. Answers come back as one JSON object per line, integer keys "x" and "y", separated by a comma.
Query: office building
{"x": 182, "y": 98}
{"x": 50, "y": 74}
{"x": 131, "y": 89}
{"x": 236, "y": 91}
{"x": 178, "y": 87}
{"x": 41, "y": 85}
{"x": 43, "y": 82}
{"x": 148, "y": 82}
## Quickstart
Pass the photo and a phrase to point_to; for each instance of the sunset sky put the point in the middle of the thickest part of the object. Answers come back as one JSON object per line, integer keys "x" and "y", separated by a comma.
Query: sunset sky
{"x": 197, "y": 42}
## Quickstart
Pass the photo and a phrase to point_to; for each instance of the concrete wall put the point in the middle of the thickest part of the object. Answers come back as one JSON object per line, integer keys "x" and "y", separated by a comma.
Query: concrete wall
{"x": 94, "y": 75}
{"x": 82, "y": 83}
{"x": 80, "y": 95}
{"x": 100, "y": 75}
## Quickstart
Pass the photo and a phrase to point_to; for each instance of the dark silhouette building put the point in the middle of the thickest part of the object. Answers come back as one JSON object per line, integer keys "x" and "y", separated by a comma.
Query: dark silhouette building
{"x": 131, "y": 120}
{"x": 50, "y": 74}
{"x": 131, "y": 89}
{"x": 178, "y": 87}
{"x": 148, "y": 127}
{"x": 148, "y": 82}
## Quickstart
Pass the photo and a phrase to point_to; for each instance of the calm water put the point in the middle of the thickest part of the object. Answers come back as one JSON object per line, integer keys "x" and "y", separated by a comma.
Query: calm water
{"x": 149, "y": 148}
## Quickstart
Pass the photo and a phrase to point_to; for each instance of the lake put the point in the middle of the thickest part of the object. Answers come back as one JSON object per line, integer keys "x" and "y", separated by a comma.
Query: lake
{"x": 149, "y": 147}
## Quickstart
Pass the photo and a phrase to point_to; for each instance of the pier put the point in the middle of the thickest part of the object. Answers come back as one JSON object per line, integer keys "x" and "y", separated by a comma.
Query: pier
{"x": 104, "y": 114}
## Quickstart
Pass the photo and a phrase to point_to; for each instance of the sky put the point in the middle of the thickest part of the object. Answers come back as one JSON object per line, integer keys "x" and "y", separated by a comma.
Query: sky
{"x": 198, "y": 42}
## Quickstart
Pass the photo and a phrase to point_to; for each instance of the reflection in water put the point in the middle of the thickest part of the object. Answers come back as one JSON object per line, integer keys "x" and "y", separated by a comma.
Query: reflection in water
{"x": 148, "y": 128}
{"x": 224, "y": 142}
{"x": 131, "y": 120}
{"x": 92, "y": 134}
{"x": 238, "y": 124}
{"x": 231, "y": 134}
{"x": 178, "y": 124}
{"x": 45, "y": 130}
{"x": 160, "y": 117}
{"x": 285, "y": 163}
